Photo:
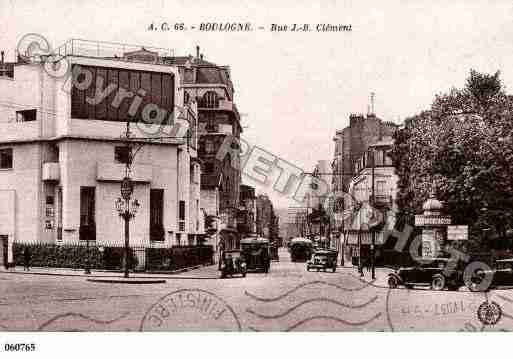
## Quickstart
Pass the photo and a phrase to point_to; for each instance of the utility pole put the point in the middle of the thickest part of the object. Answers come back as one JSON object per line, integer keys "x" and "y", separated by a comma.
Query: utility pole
{"x": 373, "y": 232}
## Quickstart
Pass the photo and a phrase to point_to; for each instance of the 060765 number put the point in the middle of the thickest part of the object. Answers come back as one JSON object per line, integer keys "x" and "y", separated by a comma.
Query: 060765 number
{"x": 20, "y": 347}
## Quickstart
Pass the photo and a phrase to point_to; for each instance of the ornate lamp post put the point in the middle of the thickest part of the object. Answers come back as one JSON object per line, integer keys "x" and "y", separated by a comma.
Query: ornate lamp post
{"x": 127, "y": 210}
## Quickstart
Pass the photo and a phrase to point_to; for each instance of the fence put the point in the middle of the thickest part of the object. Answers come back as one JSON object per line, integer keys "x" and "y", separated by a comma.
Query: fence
{"x": 111, "y": 257}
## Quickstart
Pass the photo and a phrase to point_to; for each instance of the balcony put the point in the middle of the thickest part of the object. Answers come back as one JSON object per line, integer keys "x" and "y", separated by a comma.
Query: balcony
{"x": 51, "y": 171}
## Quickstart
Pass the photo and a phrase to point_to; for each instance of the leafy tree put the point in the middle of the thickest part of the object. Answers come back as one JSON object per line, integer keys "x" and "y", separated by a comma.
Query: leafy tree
{"x": 462, "y": 147}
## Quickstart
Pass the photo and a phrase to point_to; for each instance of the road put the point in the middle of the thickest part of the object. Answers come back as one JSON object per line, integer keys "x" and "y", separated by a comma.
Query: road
{"x": 288, "y": 298}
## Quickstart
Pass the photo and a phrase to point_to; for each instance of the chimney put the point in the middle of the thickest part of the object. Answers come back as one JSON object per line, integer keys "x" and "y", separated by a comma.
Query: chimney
{"x": 2, "y": 57}
{"x": 197, "y": 52}
{"x": 201, "y": 56}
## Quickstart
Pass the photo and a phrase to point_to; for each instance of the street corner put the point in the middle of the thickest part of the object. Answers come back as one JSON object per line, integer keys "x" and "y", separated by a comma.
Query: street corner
{"x": 341, "y": 303}
{"x": 190, "y": 310}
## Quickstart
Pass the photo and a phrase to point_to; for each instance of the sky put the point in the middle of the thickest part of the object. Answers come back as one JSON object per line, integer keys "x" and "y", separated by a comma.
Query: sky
{"x": 294, "y": 90}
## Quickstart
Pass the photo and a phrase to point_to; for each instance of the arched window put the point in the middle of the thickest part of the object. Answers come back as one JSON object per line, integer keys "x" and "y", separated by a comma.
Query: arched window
{"x": 209, "y": 99}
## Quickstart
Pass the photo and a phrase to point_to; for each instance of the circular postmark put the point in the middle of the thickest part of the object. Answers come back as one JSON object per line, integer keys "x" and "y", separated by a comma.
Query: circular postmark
{"x": 190, "y": 310}
{"x": 489, "y": 313}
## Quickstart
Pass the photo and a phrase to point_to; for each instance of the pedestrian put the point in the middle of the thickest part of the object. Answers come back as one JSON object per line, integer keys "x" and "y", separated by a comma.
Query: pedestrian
{"x": 26, "y": 258}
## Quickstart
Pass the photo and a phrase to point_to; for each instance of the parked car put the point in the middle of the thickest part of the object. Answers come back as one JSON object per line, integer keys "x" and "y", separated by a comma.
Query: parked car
{"x": 500, "y": 275}
{"x": 323, "y": 259}
{"x": 232, "y": 262}
{"x": 438, "y": 273}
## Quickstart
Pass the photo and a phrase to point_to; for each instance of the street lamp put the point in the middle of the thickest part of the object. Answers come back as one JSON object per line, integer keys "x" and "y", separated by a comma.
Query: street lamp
{"x": 127, "y": 210}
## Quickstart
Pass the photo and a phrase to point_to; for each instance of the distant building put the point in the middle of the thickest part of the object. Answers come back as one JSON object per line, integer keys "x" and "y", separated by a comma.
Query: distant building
{"x": 351, "y": 143}
{"x": 267, "y": 223}
{"x": 246, "y": 221}
{"x": 365, "y": 210}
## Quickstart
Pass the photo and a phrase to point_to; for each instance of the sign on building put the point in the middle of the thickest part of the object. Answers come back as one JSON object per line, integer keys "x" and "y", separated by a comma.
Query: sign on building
{"x": 457, "y": 233}
{"x": 421, "y": 220}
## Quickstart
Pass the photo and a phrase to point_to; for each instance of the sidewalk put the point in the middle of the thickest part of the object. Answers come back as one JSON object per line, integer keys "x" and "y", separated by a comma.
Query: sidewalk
{"x": 100, "y": 273}
{"x": 381, "y": 274}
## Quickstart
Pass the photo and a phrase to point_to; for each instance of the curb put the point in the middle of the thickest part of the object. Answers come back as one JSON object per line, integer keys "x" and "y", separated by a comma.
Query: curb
{"x": 127, "y": 281}
{"x": 112, "y": 274}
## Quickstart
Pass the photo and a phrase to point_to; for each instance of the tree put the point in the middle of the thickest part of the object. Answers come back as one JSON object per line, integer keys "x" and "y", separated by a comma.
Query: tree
{"x": 463, "y": 147}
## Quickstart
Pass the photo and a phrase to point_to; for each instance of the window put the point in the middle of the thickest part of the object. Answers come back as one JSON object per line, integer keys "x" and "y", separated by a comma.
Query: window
{"x": 181, "y": 216}
{"x": 378, "y": 158}
{"x": 209, "y": 146}
{"x": 121, "y": 154}
{"x": 156, "y": 214}
{"x": 87, "y": 213}
{"x": 181, "y": 211}
{"x": 159, "y": 89}
{"x": 186, "y": 98}
{"x": 209, "y": 100}
{"x": 388, "y": 159}
{"x": 26, "y": 115}
{"x": 380, "y": 188}
{"x": 6, "y": 158}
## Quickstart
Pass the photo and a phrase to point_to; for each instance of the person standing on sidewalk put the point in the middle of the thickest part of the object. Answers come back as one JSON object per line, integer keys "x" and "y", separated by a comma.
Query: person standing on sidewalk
{"x": 26, "y": 258}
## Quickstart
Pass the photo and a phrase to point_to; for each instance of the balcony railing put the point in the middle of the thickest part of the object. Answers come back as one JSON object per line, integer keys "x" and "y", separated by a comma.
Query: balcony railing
{"x": 102, "y": 49}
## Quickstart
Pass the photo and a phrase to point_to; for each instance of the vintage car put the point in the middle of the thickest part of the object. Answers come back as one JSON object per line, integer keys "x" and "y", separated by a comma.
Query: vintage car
{"x": 438, "y": 273}
{"x": 500, "y": 275}
{"x": 232, "y": 263}
{"x": 301, "y": 249}
{"x": 322, "y": 260}
{"x": 257, "y": 254}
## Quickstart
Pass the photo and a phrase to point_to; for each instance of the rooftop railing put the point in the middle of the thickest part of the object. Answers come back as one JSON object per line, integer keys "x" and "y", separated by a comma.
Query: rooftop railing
{"x": 103, "y": 49}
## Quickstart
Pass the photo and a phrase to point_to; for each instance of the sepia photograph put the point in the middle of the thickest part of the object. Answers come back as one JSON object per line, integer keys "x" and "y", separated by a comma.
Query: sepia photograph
{"x": 198, "y": 166}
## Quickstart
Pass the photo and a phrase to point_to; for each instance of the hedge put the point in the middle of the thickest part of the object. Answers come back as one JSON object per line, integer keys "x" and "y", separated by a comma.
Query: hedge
{"x": 111, "y": 258}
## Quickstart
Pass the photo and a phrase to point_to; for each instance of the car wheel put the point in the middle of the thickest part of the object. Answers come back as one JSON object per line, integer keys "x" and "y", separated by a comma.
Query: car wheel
{"x": 438, "y": 282}
{"x": 475, "y": 282}
{"x": 393, "y": 282}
